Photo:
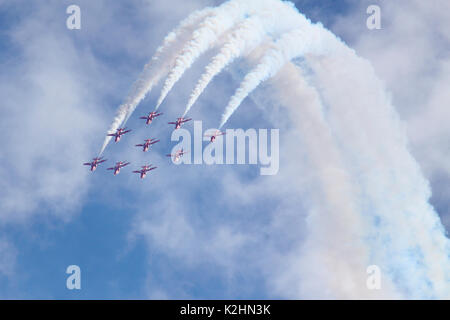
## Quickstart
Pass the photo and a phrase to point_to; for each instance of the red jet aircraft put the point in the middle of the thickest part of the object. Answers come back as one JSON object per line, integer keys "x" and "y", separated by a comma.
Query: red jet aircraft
{"x": 118, "y": 134}
{"x": 179, "y": 122}
{"x": 152, "y": 115}
{"x": 177, "y": 155}
{"x": 94, "y": 163}
{"x": 118, "y": 166}
{"x": 214, "y": 135}
{"x": 144, "y": 170}
{"x": 147, "y": 143}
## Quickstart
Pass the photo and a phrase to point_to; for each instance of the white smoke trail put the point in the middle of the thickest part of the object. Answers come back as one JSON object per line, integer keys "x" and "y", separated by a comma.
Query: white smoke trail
{"x": 406, "y": 234}
{"x": 155, "y": 69}
{"x": 206, "y": 36}
{"x": 310, "y": 39}
{"x": 329, "y": 234}
{"x": 246, "y": 37}
{"x": 232, "y": 49}
{"x": 190, "y": 21}
{"x": 403, "y": 234}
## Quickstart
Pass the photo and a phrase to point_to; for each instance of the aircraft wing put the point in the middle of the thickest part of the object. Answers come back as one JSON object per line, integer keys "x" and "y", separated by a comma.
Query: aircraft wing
{"x": 110, "y": 169}
{"x": 186, "y": 120}
{"x": 111, "y": 134}
{"x": 135, "y": 171}
{"x": 171, "y": 122}
{"x": 87, "y": 164}
{"x": 139, "y": 145}
{"x": 142, "y": 117}
{"x": 101, "y": 161}
{"x": 154, "y": 141}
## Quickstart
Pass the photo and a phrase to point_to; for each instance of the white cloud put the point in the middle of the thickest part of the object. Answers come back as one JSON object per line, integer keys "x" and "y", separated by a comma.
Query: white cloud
{"x": 49, "y": 111}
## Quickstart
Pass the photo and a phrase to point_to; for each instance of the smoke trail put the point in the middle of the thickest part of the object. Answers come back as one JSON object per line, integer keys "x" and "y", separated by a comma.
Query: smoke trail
{"x": 406, "y": 234}
{"x": 246, "y": 37}
{"x": 231, "y": 50}
{"x": 190, "y": 21}
{"x": 310, "y": 39}
{"x": 155, "y": 70}
{"x": 328, "y": 232}
{"x": 206, "y": 36}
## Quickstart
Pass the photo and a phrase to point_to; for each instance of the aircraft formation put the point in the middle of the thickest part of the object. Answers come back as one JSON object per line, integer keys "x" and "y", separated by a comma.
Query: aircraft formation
{"x": 145, "y": 146}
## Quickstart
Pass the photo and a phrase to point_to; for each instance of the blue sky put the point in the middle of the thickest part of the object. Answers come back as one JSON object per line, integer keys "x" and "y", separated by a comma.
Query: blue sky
{"x": 184, "y": 231}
